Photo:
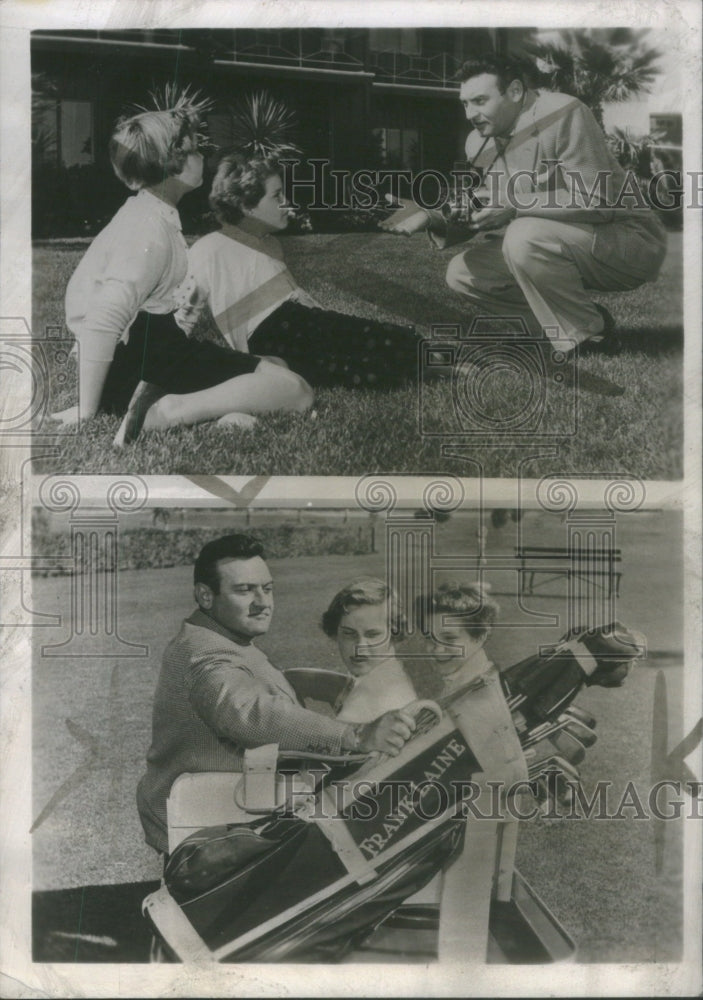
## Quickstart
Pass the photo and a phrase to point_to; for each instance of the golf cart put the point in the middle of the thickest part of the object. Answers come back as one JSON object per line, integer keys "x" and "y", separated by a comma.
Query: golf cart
{"x": 363, "y": 858}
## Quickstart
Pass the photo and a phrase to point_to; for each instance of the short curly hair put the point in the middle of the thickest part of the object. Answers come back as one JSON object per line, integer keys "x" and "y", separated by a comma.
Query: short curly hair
{"x": 471, "y": 601}
{"x": 240, "y": 182}
{"x": 365, "y": 590}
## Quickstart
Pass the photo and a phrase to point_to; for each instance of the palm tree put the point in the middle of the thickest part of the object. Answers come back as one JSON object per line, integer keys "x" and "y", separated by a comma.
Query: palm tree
{"x": 597, "y": 66}
{"x": 633, "y": 152}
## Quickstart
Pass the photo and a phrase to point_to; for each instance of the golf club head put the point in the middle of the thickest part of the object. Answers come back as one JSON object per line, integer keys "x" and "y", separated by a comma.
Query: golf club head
{"x": 551, "y": 762}
{"x": 544, "y": 731}
{"x": 582, "y": 733}
{"x": 569, "y": 771}
{"x": 568, "y": 746}
{"x": 581, "y": 715}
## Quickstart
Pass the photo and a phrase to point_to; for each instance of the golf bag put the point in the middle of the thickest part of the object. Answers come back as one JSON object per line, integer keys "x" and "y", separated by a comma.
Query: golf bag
{"x": 310, "y": 880}
{"x": 540, "y": 691}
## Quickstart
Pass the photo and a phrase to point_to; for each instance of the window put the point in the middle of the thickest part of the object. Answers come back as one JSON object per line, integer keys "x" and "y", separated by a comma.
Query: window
{"x": 45, "y": 119}
{"x": 332, "y": 41}
{"x": 405, "y": 40}
{"x": 76, "y": 133}
{"x": 398, "y": 147}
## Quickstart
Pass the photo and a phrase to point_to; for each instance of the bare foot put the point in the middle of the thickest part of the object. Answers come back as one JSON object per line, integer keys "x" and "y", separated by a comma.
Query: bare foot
{"x": 244, "y": 420}
{"x": 161, "y": 415}
{"x": 143, "y": 401}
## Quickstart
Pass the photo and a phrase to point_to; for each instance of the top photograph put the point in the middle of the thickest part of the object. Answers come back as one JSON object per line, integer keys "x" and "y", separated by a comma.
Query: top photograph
{"x": 342, "y": 251}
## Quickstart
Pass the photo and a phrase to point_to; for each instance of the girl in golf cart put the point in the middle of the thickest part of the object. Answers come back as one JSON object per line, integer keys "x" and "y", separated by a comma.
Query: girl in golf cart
{"x": 366, "y": 620}
{"x": 240, "y": 275}
{"x": 458, "y": 620}
{"x": 134, "y": 360}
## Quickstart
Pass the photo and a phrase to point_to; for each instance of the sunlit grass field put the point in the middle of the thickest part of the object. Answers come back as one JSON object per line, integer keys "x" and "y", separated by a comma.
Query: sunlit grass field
{"x": 420, "y": 428}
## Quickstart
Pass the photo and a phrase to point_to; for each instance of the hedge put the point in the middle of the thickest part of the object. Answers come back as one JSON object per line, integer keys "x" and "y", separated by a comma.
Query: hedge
{"x": 153, "y": 548}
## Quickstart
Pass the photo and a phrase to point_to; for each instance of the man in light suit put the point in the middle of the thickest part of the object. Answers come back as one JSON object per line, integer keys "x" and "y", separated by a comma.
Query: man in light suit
{"x": 218, "y": 695}
{"x": 561, "y": 215}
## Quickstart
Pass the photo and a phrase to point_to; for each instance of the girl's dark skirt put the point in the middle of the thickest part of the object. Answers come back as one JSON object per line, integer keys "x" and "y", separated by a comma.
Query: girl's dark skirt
{"x": 158, "y": 351}
{"x": 330, "y": 348}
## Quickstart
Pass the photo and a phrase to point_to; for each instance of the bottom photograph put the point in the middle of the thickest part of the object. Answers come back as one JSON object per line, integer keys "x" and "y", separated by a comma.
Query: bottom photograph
{"x": 336, "y": 735}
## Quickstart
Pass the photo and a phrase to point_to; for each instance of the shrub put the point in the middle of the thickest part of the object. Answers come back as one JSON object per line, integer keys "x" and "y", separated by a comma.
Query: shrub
{"x": 155, "y": 548}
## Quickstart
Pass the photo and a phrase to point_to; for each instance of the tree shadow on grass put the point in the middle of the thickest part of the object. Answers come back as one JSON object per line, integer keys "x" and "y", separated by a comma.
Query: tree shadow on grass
{"x": 419, "y": 307}
{"x": 411, "y": 304}
{"x": 652, "y": 340}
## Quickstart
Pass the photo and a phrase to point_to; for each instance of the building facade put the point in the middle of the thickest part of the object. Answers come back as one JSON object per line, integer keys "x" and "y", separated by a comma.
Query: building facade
{"x": 363, "y": 98}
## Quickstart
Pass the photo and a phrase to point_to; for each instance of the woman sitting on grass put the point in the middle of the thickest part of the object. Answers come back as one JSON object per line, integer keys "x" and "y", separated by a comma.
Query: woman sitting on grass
{"x": 256, "y": 304}
{"x": 133, "y": 358}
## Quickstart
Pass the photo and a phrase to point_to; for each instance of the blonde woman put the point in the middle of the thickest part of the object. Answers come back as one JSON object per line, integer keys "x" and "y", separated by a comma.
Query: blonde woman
{"x": 460, "y": 619}
{"x": 366, "y": 620}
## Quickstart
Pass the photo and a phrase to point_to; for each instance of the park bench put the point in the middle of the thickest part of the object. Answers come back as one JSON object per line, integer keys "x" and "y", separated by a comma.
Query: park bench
{"x": 584, "y": 563}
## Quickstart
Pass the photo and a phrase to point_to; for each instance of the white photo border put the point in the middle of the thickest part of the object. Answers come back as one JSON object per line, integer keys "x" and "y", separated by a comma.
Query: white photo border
{"x": 21, "y": 977}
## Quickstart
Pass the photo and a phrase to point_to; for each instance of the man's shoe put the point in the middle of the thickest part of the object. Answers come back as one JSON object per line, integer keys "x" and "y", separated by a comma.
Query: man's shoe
{"x": 607, "y": 341}
{"x": 143, "y": 397}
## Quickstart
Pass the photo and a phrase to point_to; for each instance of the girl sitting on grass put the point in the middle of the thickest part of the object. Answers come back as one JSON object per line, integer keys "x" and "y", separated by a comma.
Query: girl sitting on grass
{"x": 257, "y": 305}
{"x": 133, "y": 359}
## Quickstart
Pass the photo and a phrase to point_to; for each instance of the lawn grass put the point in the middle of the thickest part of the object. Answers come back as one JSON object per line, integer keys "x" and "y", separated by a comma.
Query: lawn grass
{"x": 352, "y": 432}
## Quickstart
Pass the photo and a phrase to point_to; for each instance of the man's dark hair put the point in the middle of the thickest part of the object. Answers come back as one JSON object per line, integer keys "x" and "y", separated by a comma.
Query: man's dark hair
{"x": 227, "y": 547}
{"x": 506, "y": 68}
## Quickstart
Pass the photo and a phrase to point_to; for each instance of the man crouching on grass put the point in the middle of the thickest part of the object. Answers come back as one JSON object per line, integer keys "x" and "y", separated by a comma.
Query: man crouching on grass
{"x": 217, "y": 694}
{"x": 561, "y": 216}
